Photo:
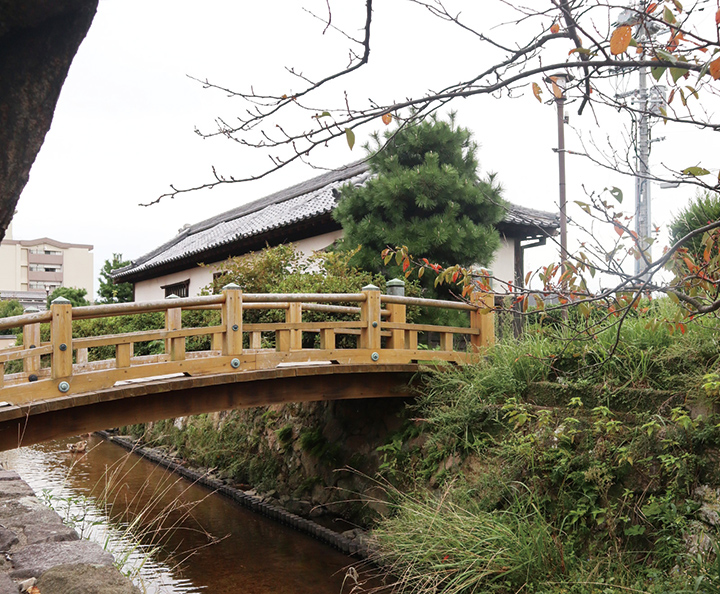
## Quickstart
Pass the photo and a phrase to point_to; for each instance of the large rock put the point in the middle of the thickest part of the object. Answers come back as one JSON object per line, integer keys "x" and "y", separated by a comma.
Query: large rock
{"x": 38, "y": 40}
{"x": 35, "y": 560}
{"x": 85, "y": 579}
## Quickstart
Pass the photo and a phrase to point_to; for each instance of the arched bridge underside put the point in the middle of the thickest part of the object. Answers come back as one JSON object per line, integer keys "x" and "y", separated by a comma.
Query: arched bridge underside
{"x": 163, "y": 398}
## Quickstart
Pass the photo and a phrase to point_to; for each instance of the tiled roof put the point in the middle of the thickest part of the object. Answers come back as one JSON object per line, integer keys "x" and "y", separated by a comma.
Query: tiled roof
{"x": 303, "y": 202}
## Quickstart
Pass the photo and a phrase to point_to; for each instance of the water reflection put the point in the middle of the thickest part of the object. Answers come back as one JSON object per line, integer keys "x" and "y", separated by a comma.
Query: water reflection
{"x": 230, "y": 548}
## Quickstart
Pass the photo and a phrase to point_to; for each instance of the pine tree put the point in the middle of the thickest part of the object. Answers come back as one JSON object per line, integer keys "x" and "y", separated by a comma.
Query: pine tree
{"x": 425, "y": 194}
{"x": 110, "y": 292}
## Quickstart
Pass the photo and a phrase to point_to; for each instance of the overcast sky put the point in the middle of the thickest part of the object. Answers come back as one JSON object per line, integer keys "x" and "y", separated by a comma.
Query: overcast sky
{"x": 123, "y": 129}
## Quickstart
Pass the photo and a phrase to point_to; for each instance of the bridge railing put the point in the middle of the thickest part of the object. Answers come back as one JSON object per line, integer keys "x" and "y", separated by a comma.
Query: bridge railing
{"x": 61, "y": 366}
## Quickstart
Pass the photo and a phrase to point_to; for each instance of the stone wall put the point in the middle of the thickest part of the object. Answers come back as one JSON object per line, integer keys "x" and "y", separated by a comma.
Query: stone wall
{"x": 42, "y": 555}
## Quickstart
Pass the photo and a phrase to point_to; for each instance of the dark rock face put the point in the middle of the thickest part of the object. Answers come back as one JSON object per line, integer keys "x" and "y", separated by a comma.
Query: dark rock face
{"x": 38, "y": 40}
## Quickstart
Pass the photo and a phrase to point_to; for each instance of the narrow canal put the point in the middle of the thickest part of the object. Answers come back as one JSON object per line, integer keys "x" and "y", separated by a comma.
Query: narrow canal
{"x": 179, "y": 537}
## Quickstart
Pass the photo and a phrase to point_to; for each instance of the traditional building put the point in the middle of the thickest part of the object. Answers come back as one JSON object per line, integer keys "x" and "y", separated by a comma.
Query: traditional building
{"x": 302, "y": 215}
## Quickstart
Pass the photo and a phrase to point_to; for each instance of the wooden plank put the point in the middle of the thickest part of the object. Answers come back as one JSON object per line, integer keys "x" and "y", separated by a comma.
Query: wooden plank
{"x": 117, "y": 309}
{"x": 61, "y": 333}
{"x": 430, "y": 328}
{"x": 411, "y": 340}
{"x": 217, "y": 341}
{"x": 397, "y": 315}
{"x": 303, "y": 326}
{"x": 370, "y": 316}
{"x": 304, "y": 297}
{"x": 446, "y": 341}
{"x": 31, "y": 340}
{"x": 93, "y": 381}
{"x": 123, "y": 355}
{"x": 293, "y": 317}
{"x": 484, "y": 322}
{"x": 173, "y": 323}
{"x": 81, "y": 356}
{"x": 17, "y": 354}
{"x": 327, "y": 339}
{"x": 255, "y": 340}
{"x": 23, "y": 320}
{"x": 428, "y": 302}
{"x": 144, "y": 336}
{"x": 232, "y": 320}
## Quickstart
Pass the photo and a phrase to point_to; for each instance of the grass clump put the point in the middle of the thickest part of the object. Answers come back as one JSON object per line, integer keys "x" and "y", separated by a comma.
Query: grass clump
{"x": 616, "y": 441}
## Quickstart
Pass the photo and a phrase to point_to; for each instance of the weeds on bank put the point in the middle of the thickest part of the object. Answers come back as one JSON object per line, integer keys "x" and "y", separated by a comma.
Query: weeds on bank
{"x": 134, "y": 524}
{"x": 607, "y": 450}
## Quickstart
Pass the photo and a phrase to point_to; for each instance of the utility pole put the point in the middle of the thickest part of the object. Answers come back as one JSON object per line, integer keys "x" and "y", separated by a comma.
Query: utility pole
{"x": 647, "y": 102}
{"x": 558, "y": 82}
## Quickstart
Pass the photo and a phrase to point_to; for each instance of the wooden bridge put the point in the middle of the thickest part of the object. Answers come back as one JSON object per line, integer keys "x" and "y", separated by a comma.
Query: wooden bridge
{"x": 63, "y": 386}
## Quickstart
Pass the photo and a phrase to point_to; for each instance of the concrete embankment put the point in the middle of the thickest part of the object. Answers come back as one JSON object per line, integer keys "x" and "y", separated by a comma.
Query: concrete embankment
{"x": 39, "y": 551}
{"x": 350, "y": 543}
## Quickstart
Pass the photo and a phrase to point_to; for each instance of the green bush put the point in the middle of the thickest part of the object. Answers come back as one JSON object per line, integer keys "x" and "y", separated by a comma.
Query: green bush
{"x": 703, "y": 209}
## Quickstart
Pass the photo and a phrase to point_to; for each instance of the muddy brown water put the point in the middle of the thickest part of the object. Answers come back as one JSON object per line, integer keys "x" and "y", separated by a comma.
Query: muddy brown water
{"x": 177, "y": 536}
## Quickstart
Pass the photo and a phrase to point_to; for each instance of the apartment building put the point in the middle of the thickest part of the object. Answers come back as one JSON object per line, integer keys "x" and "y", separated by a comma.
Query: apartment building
{"x": 30, "y": 269}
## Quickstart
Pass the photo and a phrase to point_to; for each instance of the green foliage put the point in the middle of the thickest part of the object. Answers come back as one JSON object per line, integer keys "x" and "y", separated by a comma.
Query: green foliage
{"x": 109, "y": 292}
{"x": 611, "y": 479}
{"x": 282, "y": 269}
{"x": 8, "y": 309}
{"x": 426, "y": 195}
{"x": 437, "y": 546}
{"x": 74, "y": 295}
{"x": 704, "y": 209}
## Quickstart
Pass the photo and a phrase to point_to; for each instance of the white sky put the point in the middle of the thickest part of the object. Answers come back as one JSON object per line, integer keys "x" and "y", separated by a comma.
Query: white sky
{"x": 123, "y": 127}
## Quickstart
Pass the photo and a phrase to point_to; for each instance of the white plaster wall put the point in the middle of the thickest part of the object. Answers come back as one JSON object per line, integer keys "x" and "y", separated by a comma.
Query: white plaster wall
{"x": 149, "y": 290}
{"x": 78, "y": 269}
{"x": 503, "y": 264}
{"x": 200, "y": 276}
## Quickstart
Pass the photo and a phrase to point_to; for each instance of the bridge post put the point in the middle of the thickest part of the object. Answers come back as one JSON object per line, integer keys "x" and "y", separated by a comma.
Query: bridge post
{"x": 232, "y": 311}
{"x": 174, "y": 346}
{"x": 31, "y": 340}
{"x": 482, "y": 320}
{"x": 370, "y": 316}
{"x": 61, "y": 337}
{"x": 398, "y": 314}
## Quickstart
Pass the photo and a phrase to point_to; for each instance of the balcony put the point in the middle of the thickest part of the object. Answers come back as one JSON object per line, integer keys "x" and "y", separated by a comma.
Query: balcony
{"x": 44, "y": 258}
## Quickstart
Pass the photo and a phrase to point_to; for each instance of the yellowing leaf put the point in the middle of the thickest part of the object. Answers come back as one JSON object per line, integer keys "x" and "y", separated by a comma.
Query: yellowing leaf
{"x": 668, "y": 16}
{"x": 695, "y": 171}
{"x": 350, "y": 135}
{"x": 715, "y": 69}
{"x": 557, "y": 91}
{"x": 620, "y": 40}
{"x": 386, "y": 118}
{"x": 537, "y": 91}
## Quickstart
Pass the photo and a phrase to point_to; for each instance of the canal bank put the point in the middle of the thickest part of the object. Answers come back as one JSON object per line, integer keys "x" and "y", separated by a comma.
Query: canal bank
{"x": 205, "y": 541}
{"x": 39, "y": 551}
{"x": 349, "y": 542}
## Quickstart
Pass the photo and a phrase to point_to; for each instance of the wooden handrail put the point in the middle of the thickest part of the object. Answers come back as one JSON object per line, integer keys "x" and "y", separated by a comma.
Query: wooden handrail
{"x": 419, "y": 301}
{"x": 382, "y": 335}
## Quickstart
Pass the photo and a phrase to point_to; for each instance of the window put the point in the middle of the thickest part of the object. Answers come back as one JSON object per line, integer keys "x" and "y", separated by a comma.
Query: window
{"x": 45, "y": 268}
{"x": 219, "y": 280}
{"x": 181, "y": 289}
